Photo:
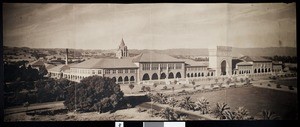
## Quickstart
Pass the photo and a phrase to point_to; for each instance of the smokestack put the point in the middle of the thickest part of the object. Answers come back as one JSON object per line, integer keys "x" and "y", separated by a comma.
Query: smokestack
{"x": 67, "y": 52}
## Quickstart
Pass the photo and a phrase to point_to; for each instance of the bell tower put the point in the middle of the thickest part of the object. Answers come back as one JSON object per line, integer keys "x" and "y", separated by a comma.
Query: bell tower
{"x": 220, "y": 59}
{"x": 122, "y": 50}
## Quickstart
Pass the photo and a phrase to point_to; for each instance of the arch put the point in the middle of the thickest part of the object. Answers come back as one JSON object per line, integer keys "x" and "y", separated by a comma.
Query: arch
{"x": 120, "y": 79}
{"x": 163, "y": 76}
{"x": 269, "y": 70}
{"x": 171, "y": 75}
{"x": 258, "y": 70}
{"x": 154, "y": 76}
{"x": 255, "y": 70}
{"x": 211, "y": 74}
{"x": 114, "y": 79}
{"x": 262, "y": 70}
{"x": 266, "y": 70}
{"x": 223, "y": 67}
{"x": 202, "y": 74}
{"x": 126, "y": 79}
{"x": 132, "y": 78}
{"x": 188, "y": 74}
{"x": 178, "y": 75}
{"x": 192, "y": 74}
{"x": 195, "y": 74}
{"x": 146, "y": 77}
{"x": 199, "y": 75}
{"x": 208, "y": 74}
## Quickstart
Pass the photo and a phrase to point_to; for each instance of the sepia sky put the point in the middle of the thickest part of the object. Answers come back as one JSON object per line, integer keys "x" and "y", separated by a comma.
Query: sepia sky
{"x": 149, "y": 26}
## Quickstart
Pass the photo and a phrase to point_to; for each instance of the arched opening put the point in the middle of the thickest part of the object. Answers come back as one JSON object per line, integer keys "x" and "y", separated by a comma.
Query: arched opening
{"x": 171, "y": 75}
{"x": 199, "y": 75}
{"x": 192, "y": 75}
{"x": 258, "y": 70}
{"x": 202, "y": 74}
{"x": 146, "y": 77}
{"x": 188, "y": 74}
{"x": 223, "y": 67}
{"x": 208, "y": 74}
{"x": 178, "y": 75}
{"x": 269, "y": 70}
{"x": 126, "y": 79}
{"x": 131, "y": 78}
{"x": 266, "y": 70}
{"x": 154, "y": 76}
{"x": 120, "y": 79}
{"x": 211, "y": 74}
{"x": 262, "y": 70}
{"x": 195, "y": 74}
{"x": 163, "y": 76}
{"x": 255, "y": 70}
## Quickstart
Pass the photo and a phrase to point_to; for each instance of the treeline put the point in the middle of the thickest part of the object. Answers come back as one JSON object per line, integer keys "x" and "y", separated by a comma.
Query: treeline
{"x": 46, "y": 90}
{"x": 284, "y": 59}
{"x": 19, "y": 72}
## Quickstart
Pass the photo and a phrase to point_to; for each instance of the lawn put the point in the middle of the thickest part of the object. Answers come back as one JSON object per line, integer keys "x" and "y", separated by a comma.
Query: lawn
{"x": 254, "y": 99}
{"x": 286, "y": 82}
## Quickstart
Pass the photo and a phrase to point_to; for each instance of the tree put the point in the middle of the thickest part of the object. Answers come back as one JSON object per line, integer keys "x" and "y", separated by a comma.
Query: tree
{"x": 168, "y": 114}
{"x": 94, "y": 93}
{"x": 203, "y": 105}
{"x": 131, "y": 86}
{"x": 220, "y": 109}
{"x": 268, "y": 115}
{"x": 242, "y": 114}
{"x": 186, "y": 103}
{"x": 172, "y": 102}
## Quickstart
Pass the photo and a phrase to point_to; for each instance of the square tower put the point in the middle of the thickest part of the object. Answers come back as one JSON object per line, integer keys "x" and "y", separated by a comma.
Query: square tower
{"x": 220, "y": 59}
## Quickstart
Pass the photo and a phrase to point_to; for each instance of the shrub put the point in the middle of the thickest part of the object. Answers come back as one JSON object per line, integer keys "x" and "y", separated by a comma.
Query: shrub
{"x": 268, "y": 115}
{"x": 260, "y": 83}
{"x": 203, "y": 105}
{"x": 143, "y": 88}
{"x": 165, "y": 88}
{"x": 187, "y": 104}
{"x": 269, "y": 85}
{"x": 220, "y": 109}
{"x": 168, "y": 114}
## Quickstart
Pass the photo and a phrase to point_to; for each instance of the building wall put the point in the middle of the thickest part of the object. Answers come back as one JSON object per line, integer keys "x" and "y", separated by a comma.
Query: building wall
{"x": 198, "y": 71}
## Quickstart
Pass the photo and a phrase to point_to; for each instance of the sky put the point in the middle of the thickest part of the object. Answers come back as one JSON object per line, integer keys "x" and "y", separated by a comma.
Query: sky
{"x": 149, "y": 26}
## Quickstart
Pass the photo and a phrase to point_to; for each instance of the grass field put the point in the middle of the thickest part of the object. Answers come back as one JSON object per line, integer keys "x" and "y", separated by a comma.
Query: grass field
{"x": 254, "y": 99}
{"x": 287, "y": 82}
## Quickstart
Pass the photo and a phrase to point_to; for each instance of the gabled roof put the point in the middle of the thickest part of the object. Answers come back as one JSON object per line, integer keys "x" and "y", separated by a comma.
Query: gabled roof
{"x": 39, "y": 62}
{"x": 277, "y": 62}
{"x": 256, "y": 59}
{"x": 195, "y": 63}
{"x": 244, "y": 64}
{"x": 155, "y": 57}
{"x": 59, "y": 68}
{"x": 106, "y": 63}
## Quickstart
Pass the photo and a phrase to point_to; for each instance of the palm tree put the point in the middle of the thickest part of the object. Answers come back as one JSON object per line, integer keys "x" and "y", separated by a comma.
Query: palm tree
{"x": 242, "y": 114}
{"x": 219, "y": 111}
{"x": 187, "y": 103}
{"x": 269, "y": 115}
{"x": 172, "y": 102}
{"x": 229, "y": 115}
{"x": 203, "y": 105}
{"x": 168, "y": 114}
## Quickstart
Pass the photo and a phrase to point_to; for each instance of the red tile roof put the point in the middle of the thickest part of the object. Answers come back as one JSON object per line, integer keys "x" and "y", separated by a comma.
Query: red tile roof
{"x": 195, "y": 63}
{"x": 256, "y": 58}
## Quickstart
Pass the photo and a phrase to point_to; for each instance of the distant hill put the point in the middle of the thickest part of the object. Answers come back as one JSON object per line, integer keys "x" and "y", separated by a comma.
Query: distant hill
{"x": 237, "y": 52}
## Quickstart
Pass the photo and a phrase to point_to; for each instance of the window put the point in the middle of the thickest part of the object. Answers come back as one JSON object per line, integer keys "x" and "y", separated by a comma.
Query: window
{"x": 154, "y": 66}
{"x": 145, "y": 66}
{"x": 106, "y": 71}
{"x": 178, "y": 66}
{"x": 114, "y": 72}
{"x": 163, "y": 66}
{"x": 120, "y": 71}
{"x": 99, "y": 71}
{"x": 171, "y": 66}
{"x": 126, "y": 70}
{"x": 132, "y": 70}
{"x": 93, "y": 71}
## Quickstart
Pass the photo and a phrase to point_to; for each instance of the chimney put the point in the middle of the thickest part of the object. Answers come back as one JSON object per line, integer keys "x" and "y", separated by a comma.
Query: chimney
{"x": 67, "y": 52}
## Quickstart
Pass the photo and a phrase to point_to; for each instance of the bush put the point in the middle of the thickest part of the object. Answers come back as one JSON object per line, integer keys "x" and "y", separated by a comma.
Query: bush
{"x": 143, "y": 88}
{"x": 94, "y": 93}
{"x": 165, "y": 88}
{"x": 269, "y": 85}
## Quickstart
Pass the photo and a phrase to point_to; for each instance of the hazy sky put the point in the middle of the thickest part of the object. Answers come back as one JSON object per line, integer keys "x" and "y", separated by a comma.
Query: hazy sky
{"x": 149, "y": 26}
